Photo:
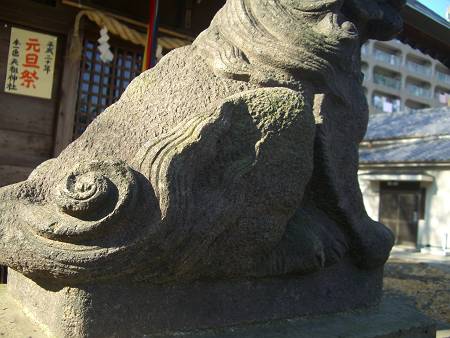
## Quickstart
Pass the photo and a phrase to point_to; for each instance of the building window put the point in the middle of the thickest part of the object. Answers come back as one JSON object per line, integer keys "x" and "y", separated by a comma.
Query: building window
{"x": 387, "y": 56}
{"x": 387, "y": 79}
{"x": 418, "y": 88}
{"x": 102, "y": 84}
{"x": 443, "y": 75}
{"x": 386, "y": 103}
{"x": 421, "y": 67}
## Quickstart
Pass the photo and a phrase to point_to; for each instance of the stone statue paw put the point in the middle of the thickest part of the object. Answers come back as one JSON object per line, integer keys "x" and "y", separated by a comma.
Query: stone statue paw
{"x": 373, "y": 245}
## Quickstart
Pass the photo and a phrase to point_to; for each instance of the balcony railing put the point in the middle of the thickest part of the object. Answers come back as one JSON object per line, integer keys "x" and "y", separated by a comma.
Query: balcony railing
{"x": 391, "y": 59}
{"x": 418, "y": 91}
{"x": 387, "y": 81}
{"x": 443, "y": 77}
{"x": 418, "y": 68}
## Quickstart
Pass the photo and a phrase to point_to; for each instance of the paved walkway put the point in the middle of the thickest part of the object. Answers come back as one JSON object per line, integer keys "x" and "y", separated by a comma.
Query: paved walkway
{"x": 424, "y": 277}
{"x": 13, "y": 322}
{"x": 412, "y": 255}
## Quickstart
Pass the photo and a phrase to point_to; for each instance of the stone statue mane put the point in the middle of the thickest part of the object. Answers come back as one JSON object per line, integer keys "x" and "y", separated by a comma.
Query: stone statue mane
{"x": 246, "y": 41}
{"x": 234, "y": 157}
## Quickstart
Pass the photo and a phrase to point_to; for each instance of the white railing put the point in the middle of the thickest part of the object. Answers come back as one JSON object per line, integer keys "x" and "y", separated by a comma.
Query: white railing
{"x": 418, "y": 68}
{"x": 418, "y": 91}
{"x": 387, "y": 81}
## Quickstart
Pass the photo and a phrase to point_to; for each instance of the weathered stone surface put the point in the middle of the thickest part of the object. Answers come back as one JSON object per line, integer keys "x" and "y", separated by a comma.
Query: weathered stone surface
{"x": 136, "y": 309}
{"x": 394, "y": 318}
{"x": 235, "y": 158}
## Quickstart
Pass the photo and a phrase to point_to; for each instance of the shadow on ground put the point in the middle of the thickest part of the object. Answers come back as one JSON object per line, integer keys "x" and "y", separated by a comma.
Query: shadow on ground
{"x": 427, "y": 284}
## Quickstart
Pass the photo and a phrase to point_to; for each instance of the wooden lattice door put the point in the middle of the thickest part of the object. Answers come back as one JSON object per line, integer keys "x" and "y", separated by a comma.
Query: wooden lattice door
{"x": 102, "y": 84}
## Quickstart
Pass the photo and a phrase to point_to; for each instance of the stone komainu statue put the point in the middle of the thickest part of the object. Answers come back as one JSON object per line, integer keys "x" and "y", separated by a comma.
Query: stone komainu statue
{"x": 236, "y": 156}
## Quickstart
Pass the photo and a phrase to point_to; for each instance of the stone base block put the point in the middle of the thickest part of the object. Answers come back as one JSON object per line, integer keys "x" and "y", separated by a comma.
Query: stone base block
{"x": 140, "y": 310}
{"x": 394, "y": 317}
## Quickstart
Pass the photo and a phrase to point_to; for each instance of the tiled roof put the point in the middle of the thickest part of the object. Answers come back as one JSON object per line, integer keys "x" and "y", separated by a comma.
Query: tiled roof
{"x": 437, "y": 150}
{"x": 422, "y": 123}
{"x": 410, "y": 137}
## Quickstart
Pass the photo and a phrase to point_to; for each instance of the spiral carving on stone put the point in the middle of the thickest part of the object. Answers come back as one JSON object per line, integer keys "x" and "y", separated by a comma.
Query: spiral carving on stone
{"x": 90, "y": 201}
{"x": 82, "y": 195}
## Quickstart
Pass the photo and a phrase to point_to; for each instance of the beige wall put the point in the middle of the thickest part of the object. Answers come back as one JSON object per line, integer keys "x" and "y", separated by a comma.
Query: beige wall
{"x": 437, "y": 206}
{"x": 371, "y": 194}
{"x": 437, "y": 210}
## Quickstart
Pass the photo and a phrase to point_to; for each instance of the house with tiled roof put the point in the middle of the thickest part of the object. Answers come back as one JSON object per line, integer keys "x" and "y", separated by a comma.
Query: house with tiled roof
{"x": 405, "y": 175}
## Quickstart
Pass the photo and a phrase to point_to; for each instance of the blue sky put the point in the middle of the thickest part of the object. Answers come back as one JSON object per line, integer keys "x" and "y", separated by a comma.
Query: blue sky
{"x": 439, "y": 6}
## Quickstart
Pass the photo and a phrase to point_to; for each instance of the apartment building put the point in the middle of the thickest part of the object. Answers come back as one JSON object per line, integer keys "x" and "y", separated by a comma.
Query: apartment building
{"x": 400, "y": 78}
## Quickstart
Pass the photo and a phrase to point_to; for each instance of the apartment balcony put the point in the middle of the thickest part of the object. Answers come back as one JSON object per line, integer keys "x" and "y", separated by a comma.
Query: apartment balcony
{"x": 413, "y": 106}
{"x": 442, "y": 98}
{"x": 386, "y": 103}
{"x": 388, "y": 58}
{"x": 385, "y": 108}
{"x": 418, "y": 68}
{"x": 418, "y": 91}
{"x": 387, "y": 81}
{"x": 442, "y": 77}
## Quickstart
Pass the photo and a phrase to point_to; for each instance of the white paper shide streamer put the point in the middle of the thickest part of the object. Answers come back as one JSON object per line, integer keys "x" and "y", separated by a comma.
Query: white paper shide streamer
{"x": 105, "y": 51}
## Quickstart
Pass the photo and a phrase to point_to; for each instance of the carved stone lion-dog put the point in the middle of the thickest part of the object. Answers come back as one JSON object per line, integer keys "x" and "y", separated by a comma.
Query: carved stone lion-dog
{"x": 235, "y": 156}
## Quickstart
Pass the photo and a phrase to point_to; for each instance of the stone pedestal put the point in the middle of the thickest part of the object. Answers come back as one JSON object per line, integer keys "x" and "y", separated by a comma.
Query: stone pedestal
{"x": 393, "y": 318}
{"x": 127, "y": 309}
{"x": 78, "y": 313}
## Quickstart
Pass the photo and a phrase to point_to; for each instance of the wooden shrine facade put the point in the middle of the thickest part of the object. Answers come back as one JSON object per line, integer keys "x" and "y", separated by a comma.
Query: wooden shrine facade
{"x": 34, "y": 129}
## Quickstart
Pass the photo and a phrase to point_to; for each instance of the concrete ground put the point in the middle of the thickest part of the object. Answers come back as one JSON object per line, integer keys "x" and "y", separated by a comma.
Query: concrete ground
{"x": 13, "y": 322}
{"x": 426, "y": 279}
